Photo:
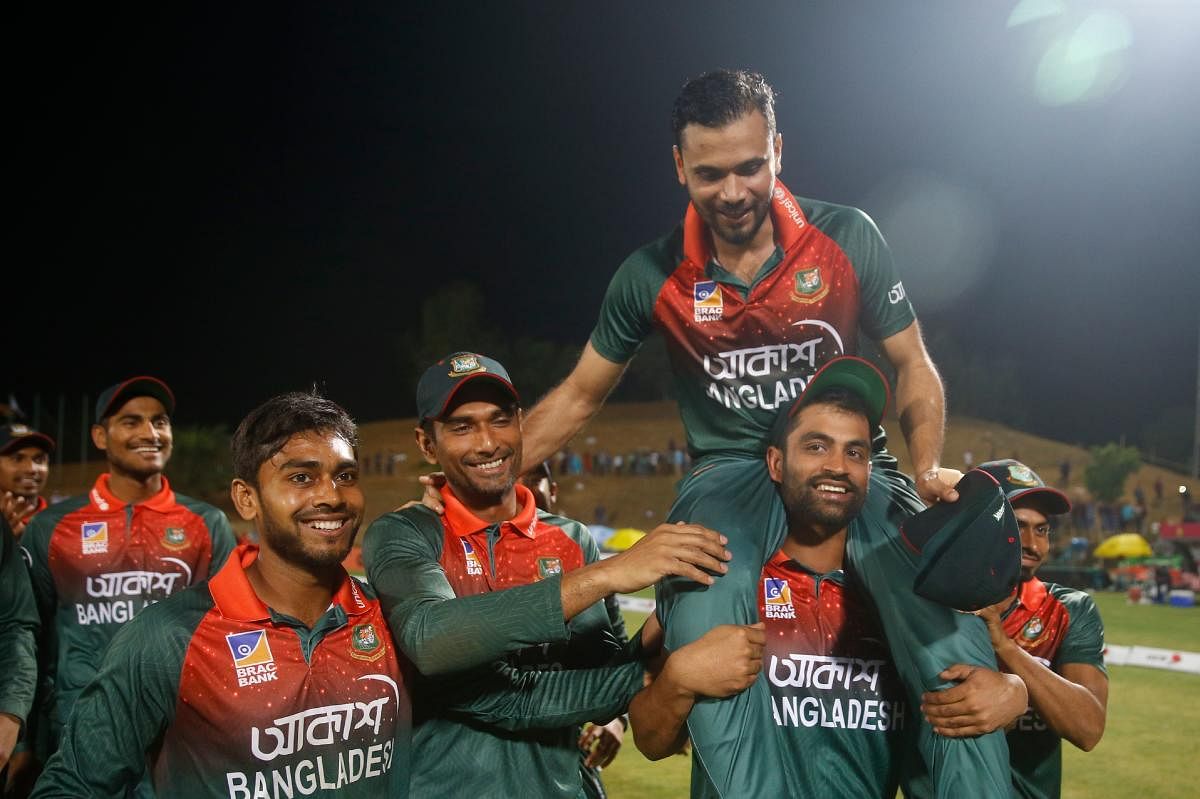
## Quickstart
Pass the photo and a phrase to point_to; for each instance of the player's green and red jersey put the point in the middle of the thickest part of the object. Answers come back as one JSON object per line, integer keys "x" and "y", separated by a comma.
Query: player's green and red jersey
{"x": 96, "y": 561}
{"x": 1057, "y": 625}
{"x": 834, "y": 695}
{"x": 224, "y": 697}
{"x": 18, "y": 630}
{"x": 741, "y": 352}
{"x": 479, "y": 557}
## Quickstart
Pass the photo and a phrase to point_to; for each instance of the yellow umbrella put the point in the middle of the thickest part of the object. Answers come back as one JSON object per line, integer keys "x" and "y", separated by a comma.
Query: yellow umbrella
{"x": 623, "y": 539}
{"x": 1124, "y": 545}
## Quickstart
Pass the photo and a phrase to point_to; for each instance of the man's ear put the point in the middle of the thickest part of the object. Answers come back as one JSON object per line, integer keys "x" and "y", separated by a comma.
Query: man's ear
{"x": 775, "y": 464}
{"x": 245, "y": 499}
{"x": 100, "y": 436}
{"x": 680, "y": 175}
{"x": 425, "y": 443}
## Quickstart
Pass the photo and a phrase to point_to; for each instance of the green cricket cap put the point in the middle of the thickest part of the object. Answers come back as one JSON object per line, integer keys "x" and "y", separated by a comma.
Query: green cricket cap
{"x": 442, "y": 381}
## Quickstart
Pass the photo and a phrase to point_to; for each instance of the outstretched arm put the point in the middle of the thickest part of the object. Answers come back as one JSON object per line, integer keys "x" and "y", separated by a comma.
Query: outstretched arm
{"x": 561, "y": 413}
{"x": 921, "y": 406}
{"x": 441, "y": 632}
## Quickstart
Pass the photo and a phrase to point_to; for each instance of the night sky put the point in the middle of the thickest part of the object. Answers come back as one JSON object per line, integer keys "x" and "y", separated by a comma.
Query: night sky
{"x": 250, "y": 198}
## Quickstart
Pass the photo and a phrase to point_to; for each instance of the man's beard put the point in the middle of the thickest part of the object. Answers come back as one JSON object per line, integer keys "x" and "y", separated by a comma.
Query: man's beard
{"x": 806, "y": 508}
{"x": 289, "y": 546}
{"x": 737, "y": 237}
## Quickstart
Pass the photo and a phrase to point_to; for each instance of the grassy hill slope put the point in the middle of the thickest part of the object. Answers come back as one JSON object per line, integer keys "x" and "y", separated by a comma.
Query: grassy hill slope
{"x": 642, "y": 501}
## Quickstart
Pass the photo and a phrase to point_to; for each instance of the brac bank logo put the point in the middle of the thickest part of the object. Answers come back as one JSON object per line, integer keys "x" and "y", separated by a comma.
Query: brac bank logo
{"x": 252, "y": 657}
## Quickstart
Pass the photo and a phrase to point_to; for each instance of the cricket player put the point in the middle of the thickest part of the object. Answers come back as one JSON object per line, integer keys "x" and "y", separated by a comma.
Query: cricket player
{"x": 492, "y": 550}
{"x": 24, "y": 469}
{"x": 96, "y": 560}
{"x": 1051, "y": 637}
{"x": 843, "y": 718}
{"x": 753, "y": 293}
{"x": 18, "y": 631}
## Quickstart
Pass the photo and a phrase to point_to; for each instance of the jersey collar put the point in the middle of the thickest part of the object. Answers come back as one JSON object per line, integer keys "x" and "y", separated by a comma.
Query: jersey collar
{"x": 103, "y": 498}
{"x": 1031, "y": 593}
{"x": 235, "y": 598}
{"x": 462, "y": 522}
{"x": 781, "y": 560}
{"x": 786, "y": 216}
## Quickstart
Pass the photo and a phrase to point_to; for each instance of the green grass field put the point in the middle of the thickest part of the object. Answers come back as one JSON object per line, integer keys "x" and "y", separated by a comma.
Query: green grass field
{"x": 1150, "y": 747}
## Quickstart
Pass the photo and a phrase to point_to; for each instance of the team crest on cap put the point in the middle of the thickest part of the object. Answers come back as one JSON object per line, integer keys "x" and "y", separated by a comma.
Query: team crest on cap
{"x": 1021, "y": 475}
{"x": 465, "y": 365}
{"x": 18, "y": 429}
{"x": 252, "y": 658}
{"x": 548, "y": 567}
{"x": 95, "y": 537}
{"x": 365, "y": 643}
{"x": 777, "y": 596}
{"x": 706, "y": 301}
{"x": 474, "y": 567}
{"x": 174, "y": 538}
{"x": 1032, "y": 629}
{"x": 809, "y": 286}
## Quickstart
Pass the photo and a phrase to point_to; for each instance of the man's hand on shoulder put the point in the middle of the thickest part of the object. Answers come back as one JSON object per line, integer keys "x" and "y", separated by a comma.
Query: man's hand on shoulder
{"x": 432, "y": 498}
{"x": 680, "y": 550}
{"x": 983, "y": 701}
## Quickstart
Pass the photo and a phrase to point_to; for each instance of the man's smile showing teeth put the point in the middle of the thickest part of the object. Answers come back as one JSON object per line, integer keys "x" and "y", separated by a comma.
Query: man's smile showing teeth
{"x": 327, "y": 526}
{"x": 834, "y": 488}
{"x": 489, "y": 465}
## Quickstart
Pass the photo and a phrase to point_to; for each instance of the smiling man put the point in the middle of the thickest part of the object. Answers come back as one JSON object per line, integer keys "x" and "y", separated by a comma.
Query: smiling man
{"x": 276, "y": 677}
{"x": 834, "y": 719}
{"x": 96, "y": 560}
{"x": 534, "y": 580}
{"x": 24, "y": 468}
{"x": 1050, "y": 636}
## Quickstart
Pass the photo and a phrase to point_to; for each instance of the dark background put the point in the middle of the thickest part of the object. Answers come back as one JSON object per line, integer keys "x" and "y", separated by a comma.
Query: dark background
{"x": 253, "y": 198}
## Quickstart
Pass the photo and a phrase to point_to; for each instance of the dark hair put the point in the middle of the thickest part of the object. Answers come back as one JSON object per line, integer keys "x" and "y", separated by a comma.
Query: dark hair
{"x": 717, "y": 98}
{"x": 838, "y": 397}
{"x": 267, "y": 429}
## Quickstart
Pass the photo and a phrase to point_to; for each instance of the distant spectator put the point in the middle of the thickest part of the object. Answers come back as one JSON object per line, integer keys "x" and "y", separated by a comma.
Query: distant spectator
{"x": 390, "y": 463}
{"x": 1162, "y": 582}
{"x": 1158, "y": 489}
{"x": 677, "y": 460}
{"x": 968, "y": 460}
{"x": 618, "y": 463}
{"x": 1064, "y": 472}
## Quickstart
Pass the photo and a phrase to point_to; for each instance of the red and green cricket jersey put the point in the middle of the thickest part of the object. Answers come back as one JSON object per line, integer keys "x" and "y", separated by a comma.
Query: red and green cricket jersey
{"x": 96, "y": 561}
{"x": 430, "y": 565}
{"x": 1057, "y": 625}
{"x": 833, "y": 688}
{"x": 740, "y": 352}
{"x": 221, "y": 696}
{"x": 18, "y": 630}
